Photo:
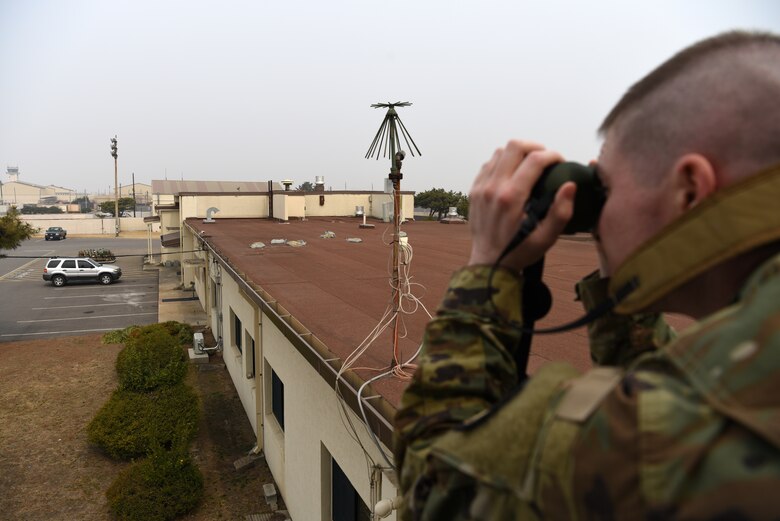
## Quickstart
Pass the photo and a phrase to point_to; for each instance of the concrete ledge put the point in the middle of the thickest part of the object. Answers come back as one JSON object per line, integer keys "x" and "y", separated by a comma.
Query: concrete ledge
{"x": 198, "y": 358}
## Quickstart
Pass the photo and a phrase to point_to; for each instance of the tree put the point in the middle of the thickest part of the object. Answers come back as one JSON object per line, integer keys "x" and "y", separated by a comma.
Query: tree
{"x": 306, "y": 186}
{"x": 438, "y": 202}
{"x": 125, "y": 204}
{"x": 84, "y": 203}
{"x": 13, "y": 230}
{"x": 463, "y": 206}
{"x": 30, "y": 209}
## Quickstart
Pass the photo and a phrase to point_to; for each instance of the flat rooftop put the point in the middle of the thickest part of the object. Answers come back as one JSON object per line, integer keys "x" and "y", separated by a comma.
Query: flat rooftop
{"x": 339, "y": 289}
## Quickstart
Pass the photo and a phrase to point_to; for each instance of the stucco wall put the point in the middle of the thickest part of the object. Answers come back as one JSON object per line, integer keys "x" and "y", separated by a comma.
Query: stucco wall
{"x": 228, "y": 205}
{"x": 90, "y": 226}
{"x": 343, "y": 204}
{"x": 312, "y": 421}
{"x": 236, "y": 360}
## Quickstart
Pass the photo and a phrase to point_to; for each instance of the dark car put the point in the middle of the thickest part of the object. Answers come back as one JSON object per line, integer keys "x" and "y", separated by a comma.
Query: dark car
{"x": 55, "y": 233}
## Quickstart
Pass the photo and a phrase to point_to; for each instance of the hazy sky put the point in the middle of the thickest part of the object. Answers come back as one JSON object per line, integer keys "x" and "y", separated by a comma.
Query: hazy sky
{"x": 272, "y": 90}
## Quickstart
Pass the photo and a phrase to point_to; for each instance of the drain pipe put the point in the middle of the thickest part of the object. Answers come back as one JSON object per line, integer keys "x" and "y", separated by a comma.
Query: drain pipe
{"x": 212, "y": 349}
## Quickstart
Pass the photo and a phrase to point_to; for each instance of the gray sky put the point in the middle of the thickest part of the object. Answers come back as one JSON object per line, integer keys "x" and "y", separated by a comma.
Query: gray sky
{"x": 270, "y": 90}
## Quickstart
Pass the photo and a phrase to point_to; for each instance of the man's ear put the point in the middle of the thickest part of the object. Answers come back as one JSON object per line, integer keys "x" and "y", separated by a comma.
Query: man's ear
{"x": 694, "y": 179}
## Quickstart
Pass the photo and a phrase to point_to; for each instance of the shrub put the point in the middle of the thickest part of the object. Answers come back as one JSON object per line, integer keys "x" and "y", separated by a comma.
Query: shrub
{"x": 118, "y": 336}
{"x": 160, "y": 488}
{"x": 131, "y": 424}
{"x": 182, "y": 332}
{"x": 150, "y": 359}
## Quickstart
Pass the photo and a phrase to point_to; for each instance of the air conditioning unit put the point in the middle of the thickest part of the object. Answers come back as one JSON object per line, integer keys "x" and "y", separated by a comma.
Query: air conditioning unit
{"x": 197, "y": 343}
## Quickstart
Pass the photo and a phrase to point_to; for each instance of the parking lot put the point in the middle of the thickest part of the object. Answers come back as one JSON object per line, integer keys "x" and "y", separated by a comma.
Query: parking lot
{"x": 31, "y": 308}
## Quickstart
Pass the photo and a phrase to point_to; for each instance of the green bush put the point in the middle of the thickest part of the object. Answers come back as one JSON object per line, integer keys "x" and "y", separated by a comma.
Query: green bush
{"x": 160, "y": 488}
{"x": 118, "y": 336}
{"x": 182, "y": 332}
{"x": 150, "y": 359}
{"x": 132, "y": 424}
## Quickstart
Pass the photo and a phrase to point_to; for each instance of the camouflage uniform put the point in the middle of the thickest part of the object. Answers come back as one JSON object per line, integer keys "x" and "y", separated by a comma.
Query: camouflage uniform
{"x": 666, "y": 427}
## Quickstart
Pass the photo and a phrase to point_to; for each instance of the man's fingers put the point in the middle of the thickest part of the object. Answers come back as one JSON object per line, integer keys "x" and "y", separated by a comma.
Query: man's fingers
{"x": 513, "y": 154}
{"x": 559, "y": 214}
{"x": 528, "y": 172}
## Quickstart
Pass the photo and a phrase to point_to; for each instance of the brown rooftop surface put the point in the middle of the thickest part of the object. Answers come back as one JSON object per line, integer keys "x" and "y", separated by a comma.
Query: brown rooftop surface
{"x": 340, "y": 290}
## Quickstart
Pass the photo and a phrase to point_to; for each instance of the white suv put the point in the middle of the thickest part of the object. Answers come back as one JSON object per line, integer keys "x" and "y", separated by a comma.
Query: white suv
{"x": 60, "y": 270}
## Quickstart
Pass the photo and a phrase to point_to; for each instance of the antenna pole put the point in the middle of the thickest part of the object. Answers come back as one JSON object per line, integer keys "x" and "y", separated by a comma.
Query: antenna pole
{"x": 396, "y": 158}
{"x": 387, "y": 139}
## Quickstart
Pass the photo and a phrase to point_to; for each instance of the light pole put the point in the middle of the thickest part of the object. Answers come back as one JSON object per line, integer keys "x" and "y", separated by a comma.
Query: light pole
{"x": 115, "y": 155}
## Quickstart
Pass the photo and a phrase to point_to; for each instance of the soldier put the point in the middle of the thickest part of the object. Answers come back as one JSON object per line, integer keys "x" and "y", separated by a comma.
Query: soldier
{"x": 666, "y": 426}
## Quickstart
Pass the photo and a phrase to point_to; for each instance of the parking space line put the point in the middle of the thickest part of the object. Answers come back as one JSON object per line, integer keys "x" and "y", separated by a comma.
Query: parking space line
{"x": 61, "y": 332}
{"x": 20, "y": 268}
{"x": 128, "y": 294}
{"x": 83, "y": 318}
{"x": 102, "y": 304}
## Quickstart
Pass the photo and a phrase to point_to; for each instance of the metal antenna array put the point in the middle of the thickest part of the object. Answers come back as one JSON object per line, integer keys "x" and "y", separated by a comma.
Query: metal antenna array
{"x": 388, "y": 133}
{"x": 388, "y": 137}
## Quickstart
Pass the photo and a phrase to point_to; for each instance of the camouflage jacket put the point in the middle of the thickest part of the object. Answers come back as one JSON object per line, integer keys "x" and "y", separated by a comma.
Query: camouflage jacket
{"x": 665, "y": 427}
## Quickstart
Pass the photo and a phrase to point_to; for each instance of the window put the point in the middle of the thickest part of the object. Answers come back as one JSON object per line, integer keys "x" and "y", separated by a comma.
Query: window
{"x": 69, "y": 264}
{"x": 53, "y": 264}
{"x": 237, "y": 330}
{"x": 346, "y": 504}
{"x": 85, "y": 264}
{"x": 250, "y": 356}
{"x": 277, "y": 398}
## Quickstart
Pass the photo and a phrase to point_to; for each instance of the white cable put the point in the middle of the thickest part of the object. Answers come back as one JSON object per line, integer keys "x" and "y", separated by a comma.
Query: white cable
{"x": 363, "y": 412}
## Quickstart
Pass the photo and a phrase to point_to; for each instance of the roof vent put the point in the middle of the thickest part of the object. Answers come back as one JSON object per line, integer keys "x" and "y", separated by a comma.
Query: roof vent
{"x": 453, "y": 212}
{"x": 359, "y": 211}
{"x": 287, "y": 184}
{"x": 210, "y": 215}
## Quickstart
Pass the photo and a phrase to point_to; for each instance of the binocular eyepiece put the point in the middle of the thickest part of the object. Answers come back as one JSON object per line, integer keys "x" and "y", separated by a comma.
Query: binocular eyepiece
{"x": 588, "y": 201}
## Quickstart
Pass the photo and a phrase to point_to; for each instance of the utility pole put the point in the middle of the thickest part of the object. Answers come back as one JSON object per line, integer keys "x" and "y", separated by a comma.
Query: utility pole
{"x": 115, "y": 155}
{"x": 135, "y": 203}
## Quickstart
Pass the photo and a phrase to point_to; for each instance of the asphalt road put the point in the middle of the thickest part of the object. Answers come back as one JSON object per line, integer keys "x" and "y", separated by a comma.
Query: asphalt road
{"x": 33, "y": 308}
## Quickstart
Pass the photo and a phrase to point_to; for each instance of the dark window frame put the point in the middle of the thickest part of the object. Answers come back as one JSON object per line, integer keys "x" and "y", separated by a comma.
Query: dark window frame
{"x": 277, "y": 398}
{"x": 238, "y": 331}
{"x": 346, "y": 503}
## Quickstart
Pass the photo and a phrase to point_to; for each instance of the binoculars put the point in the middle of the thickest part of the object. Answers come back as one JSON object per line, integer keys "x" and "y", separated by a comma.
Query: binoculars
{"x": 588, "y": 201}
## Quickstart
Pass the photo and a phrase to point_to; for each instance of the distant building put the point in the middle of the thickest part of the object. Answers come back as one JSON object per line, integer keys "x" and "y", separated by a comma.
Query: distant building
{"x": 18, "y": 193}
{"x": 143, "y": 194}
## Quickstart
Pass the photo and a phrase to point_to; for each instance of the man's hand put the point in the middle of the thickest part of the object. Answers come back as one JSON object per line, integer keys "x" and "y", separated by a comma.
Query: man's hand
{"x": 497, "y": 200}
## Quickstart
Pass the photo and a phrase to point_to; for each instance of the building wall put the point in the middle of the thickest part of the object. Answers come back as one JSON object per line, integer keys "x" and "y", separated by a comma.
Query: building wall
{"x": 295, "y": 456}
{"x": 169, "y": 223}
{"x": 143, "y": 192}
{"x": 235, "y": 304}
{"x": 88, "y": 225}
{"x": 228, "y": 205}
{"x": 22, "y": 193}
{"x": 343, "y": 204}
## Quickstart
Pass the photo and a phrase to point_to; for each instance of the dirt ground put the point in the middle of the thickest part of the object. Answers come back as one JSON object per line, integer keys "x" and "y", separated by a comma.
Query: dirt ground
{"x": 51, "y": 390}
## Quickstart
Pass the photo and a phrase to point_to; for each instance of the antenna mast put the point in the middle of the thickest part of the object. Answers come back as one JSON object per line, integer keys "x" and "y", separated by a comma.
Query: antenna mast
{"x": 389, "y": 136}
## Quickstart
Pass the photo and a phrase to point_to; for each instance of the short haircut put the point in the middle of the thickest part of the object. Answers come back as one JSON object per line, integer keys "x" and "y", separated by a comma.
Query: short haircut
{"x": 719, "y": 97}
